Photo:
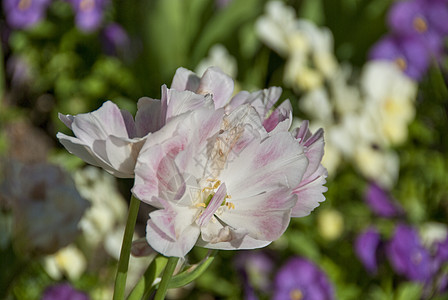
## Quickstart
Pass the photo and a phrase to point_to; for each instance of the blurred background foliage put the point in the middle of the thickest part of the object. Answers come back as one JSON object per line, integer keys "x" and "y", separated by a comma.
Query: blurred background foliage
{"x": 54, "y": 67}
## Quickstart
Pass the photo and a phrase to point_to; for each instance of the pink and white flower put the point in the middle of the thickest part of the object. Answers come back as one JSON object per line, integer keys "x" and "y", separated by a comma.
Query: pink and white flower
{"x": 218, "y": 180}
{"x": 109, "y": 137}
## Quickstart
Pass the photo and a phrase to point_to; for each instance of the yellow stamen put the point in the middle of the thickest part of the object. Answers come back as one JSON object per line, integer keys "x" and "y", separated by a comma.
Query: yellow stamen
{"x": 230, "y": 205}
{"x": 24, "y": 4}
{"x": 420, "y": 25}
{"x": 296, "y": 294}
{"x": 401, "y": 63}
{"x": 87, "y": 5}
{"x": 200, "y": 205}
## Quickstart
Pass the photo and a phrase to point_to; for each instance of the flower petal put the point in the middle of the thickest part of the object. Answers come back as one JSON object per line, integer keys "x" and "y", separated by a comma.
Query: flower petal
{"x": 185, "y": 80}
{"x": 122, "y": 153}
{"x": 183, "y": 101}
{"x": 97, "y": 125}
{"x": 264, "y": 216}
{"x": 310, "y": 193}
{"x": 148, "y": 117}
{"x": 86, "y": 153}
{"x": 172, "y": 233}
{"x": 280, "y": 119}
{"x": 214, "y": 204}
{"x": 278, "y": 161}
{"x": 217, "y": 236}
{"x": 218, "y": 84}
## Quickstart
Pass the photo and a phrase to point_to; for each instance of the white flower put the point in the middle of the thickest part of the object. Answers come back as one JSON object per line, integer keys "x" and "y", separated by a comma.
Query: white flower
{"x": 69, "y": 261}
{"x": 390, "y": 97}
{"x": 107, "y": 204}
{"x": 219, "y": 57}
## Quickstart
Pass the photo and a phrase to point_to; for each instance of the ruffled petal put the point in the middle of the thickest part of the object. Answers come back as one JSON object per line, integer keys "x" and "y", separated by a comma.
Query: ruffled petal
{"x": 310, "y": 193}
{"x": 185, "y": 80}
{"x": 183, "y": 101}
{"x": 280, "y": 119}
{"x": 99, "y": 124}
{"x": 218, "y": 84}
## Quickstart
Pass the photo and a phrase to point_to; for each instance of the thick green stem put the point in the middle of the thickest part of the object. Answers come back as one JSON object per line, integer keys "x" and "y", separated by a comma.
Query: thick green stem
{"x": 167, "y": 274}
{"x": 123, "y": 263}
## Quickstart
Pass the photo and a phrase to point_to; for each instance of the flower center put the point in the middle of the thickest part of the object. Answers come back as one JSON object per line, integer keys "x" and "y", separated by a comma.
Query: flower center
{"x": 401, "y": 63}
{"x": 86, "y": 5}
{"x": 420, "y": 25}
{"x": 296, "y": 294}
{"x": 24, "y": 4}
{"x": 212, "y": 199}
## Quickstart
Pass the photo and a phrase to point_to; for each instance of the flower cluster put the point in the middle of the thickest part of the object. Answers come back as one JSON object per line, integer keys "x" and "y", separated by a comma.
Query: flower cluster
{"x": 418, "y": 257}
{"x": 222, "y": 172}
{"x": 298, "y": 278}
{"x": 307, "y": 48}
{"x": 22, "y": 14}
{"x": 362, "y": 118}
{"x": 417, "y": 35}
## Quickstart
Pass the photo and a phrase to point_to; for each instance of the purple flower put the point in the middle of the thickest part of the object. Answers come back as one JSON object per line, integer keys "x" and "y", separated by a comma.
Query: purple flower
{"x": 423, "y": 18}
{"x": 63, "y": 291}
{"x": 301, "y": 279}
{"x": 411, "y": 56}
{"x": 442, "y": 251}
{"x": 115, "y": 39}
{"x": 407, "y": 255}
{"x": 366, "y": 246}
{"x": 89, "y": 13}
{"x": 24, "y": 13}
{"x": 381, "y": 203}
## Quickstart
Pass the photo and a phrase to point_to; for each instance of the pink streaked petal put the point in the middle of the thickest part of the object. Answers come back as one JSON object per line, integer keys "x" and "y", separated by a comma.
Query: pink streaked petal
{"x": 164, "y": 244}
{"x": 213, "y": 206}
{"x": 278, "y": 161}
{"x": 180, "y": 102}
{"x": 303, "y": 133}
{"x": 310, "y": 194}
{"x": 217, "y": 236}
{"x": 266, "y": 100}
{"x": 206, "y": 123}
{"x": 122, "y": 153}
{"x": 97, "y": 125}
{"x": 66, "y": 119}
{"x": 264, "y": 216}
{"x": 314, "y": 152}
{"x": 217, "y": 83}
{"x": 281, "y": 117}
{"x": 259, "y": 225}
{"x": 164, "y": 220}
{"x": 156, "y": 173}
{"x": 280, "y": 198}
{"x": 148, "y": 116}
{"x": 185, "y": 80}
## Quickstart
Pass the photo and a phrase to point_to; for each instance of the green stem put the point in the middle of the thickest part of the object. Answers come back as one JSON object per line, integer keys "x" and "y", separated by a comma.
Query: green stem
{"x": 169, "y": 270}
{"x": 123, "y": 263}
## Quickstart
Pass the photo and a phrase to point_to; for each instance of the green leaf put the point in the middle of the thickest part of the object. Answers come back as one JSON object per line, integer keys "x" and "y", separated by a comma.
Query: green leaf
{"x": 192, "y": 272}
{"x": 224, "y": 24}
{"x": 145, "y": 283}
{"x": 409, "y": 291}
